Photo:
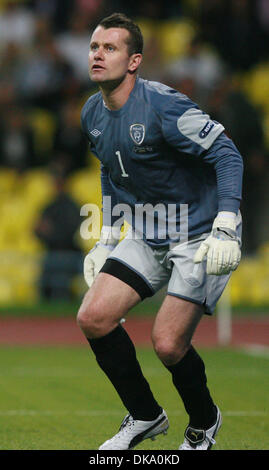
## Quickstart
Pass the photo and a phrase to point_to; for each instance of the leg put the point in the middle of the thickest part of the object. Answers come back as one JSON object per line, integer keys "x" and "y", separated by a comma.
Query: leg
{"x": 174, "y": 327}
{"x": 108, "y": 300}
{"x": 172, "y": 333}
{"x": 105, "y": 303}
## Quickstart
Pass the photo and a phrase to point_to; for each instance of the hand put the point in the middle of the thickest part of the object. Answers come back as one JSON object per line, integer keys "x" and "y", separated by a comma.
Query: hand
{"x": 94, "y": 261}
{"x": 221, "y": 247}
{"x": 96, "y": 258}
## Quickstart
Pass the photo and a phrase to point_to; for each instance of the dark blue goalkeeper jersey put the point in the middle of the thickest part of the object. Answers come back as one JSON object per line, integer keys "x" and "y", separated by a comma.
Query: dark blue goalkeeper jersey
{"x": 161, "y": 155}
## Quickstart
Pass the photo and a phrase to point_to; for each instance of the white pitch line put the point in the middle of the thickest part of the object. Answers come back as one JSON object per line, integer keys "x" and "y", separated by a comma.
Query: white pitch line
{"x": 58, "y": 413}
{"x": 256, "y": 350}
{"x": 22, "y": 412}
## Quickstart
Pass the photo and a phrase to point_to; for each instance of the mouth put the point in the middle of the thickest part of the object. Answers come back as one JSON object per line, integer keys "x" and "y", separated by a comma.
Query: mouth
{"x": 97, "y": 67}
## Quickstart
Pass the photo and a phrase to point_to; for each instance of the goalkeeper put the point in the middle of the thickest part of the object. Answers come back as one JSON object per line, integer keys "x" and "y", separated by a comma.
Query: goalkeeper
{"x": 157, "y": 149}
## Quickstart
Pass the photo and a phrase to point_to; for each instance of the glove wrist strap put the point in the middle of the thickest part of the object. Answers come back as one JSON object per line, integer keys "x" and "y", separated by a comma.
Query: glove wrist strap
{"x": 226, "y": 220}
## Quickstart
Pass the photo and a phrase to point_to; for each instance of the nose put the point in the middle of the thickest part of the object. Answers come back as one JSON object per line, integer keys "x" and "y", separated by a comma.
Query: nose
{"x": 98, "y": 54}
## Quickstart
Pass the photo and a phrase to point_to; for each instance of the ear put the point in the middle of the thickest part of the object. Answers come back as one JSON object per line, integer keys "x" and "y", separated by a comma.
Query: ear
{"x": 134, "y": 62}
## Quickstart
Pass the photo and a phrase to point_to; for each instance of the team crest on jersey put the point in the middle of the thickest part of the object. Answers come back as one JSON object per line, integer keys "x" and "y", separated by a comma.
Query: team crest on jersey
{"x": 137, "y": 132}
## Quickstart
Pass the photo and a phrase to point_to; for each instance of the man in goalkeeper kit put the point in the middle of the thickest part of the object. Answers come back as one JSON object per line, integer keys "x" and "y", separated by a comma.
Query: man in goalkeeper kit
{"x": 158, "y": 150}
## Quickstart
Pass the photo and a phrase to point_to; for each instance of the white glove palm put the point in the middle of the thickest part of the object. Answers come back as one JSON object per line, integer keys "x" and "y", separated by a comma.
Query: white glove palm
{"x": 96, "y": 258}
{"x": 221, "y": 247}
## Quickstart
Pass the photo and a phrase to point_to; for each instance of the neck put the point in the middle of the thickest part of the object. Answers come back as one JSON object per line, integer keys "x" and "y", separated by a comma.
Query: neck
{"x": 115, "y": 94}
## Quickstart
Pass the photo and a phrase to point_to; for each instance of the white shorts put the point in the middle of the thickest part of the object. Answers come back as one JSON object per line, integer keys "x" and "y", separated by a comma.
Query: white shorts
{"x": 148, "y": 269}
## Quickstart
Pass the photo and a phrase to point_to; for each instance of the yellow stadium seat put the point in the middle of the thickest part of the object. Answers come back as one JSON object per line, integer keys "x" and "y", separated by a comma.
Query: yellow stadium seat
{"x": 8, "y": 179}
{"x": 85, "y": 187}
{"x": 19, "y": 273}
{"x": 148, "y": 27}
{"x": 26, "y": 293}
{"x": 264, "y": 251}
{"x": 79, "y": 286}
{"x": 6, "y": 294}
{"x": 43, "y": 124}
{"x": 246, "y": 282}
{"x": 38, "y": 187}
{"x": 174, "y": 38}
{"x": 256, "y": 85}
{"x": 29, "y": 244}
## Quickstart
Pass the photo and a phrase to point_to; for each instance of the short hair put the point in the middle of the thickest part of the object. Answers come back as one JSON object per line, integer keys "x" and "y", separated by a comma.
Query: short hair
{"x": 119, "y": 20}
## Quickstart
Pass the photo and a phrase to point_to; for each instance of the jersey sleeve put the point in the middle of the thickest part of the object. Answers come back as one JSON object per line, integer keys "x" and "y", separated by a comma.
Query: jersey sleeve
{"x": 187, "y": 128}
{"x": 193, "y": 132}
{"x": 83, "y": 124}
{"x": 228, "y": 163}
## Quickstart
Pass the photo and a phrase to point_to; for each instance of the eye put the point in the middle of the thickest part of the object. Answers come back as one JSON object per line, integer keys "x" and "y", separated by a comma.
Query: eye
{"x": 93, "y": 47}
{"x": 110, "y": 48}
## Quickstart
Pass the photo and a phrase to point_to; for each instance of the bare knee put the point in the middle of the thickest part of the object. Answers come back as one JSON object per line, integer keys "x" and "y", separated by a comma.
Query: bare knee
{"x": 169, "y": 350}
{"x": 94, "y": 320}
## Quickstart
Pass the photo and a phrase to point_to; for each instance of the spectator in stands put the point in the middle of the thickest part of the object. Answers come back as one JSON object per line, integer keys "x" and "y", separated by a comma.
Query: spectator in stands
{"x": 46, "y": 76}
{"x": 263, "y": 15}
{"x": 11, "y": 62}
{"x": 90, "y": 8}
{"x": 54, "y": 12}
{"x": 263, "y": 19}
{"x": 152, "y": 67}
{"x": 69, "y": 143}
{"x": 73, "y": 44}
{"x": 200, "y": 65}
{"x": 152, "y": 9}
{"x": 17, "y": 24}
{"x": 57, "y": 229}
{"x": 233, "y": 27}
{"x": 16, "y": 140}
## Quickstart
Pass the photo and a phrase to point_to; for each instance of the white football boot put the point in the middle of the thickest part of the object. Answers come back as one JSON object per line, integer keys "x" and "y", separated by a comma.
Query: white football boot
{"x": 133, "y": 431}
{"x": 200, "y": 439}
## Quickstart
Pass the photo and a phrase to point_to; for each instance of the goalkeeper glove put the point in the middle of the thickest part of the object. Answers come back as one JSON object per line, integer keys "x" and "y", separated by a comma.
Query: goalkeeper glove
{"x": 96, "y": 258}
{"x": 221, "y": 247}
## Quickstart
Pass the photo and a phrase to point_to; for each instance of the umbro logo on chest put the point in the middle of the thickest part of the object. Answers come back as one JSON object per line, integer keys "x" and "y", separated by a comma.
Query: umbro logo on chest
{"x": 95, "y": 132}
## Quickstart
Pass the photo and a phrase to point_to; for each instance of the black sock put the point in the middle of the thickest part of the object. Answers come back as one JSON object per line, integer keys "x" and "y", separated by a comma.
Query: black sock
{"x": 190, "y": 381}
{"x": 115, "y": 354}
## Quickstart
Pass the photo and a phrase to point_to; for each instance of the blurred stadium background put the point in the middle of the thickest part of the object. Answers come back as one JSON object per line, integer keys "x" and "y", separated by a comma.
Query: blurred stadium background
{"x": 214, "y": 51}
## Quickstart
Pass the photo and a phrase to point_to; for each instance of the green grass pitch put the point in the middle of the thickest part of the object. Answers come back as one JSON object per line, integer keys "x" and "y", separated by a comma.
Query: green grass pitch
{"x": 56, "y": 398}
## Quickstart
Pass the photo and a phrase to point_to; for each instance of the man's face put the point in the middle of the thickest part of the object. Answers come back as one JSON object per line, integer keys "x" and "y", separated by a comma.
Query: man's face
{"x": 108, "y": 57}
